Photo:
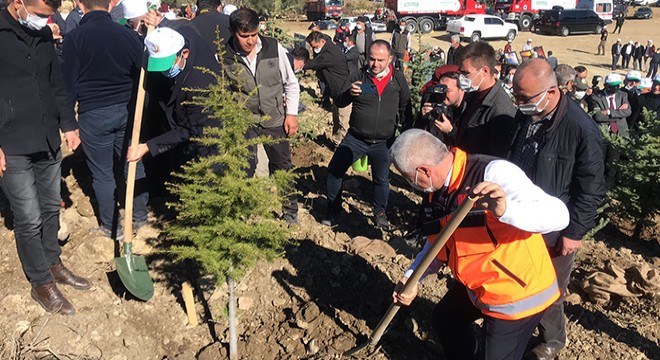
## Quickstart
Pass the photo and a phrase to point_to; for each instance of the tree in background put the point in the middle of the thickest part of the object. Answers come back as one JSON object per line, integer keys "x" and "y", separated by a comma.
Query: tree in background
{"x": 225, "y": 219}
{"x": 636, "y": 194}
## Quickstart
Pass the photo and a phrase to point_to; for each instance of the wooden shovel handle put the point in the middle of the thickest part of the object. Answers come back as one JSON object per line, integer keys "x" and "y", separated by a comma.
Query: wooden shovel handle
{"x": 135, "y": 141}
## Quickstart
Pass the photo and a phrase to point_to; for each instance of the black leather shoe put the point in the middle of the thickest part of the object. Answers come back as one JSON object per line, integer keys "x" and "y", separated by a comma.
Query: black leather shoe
{"x": 543, "y": 352}
{"x": 62, "y": 275}
{"x": 52, "y": 300}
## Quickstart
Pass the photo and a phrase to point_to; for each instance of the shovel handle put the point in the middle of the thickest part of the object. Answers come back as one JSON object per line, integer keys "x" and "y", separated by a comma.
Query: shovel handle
{"x": 135, "y": 141}
{"x": 444, "y": 235}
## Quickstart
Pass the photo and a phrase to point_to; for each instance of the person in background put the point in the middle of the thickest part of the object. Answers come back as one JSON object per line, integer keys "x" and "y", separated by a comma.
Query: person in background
{"x": 352, "y": 55}
{"x": 627, "y": 53}
{"x": 210, "y": 18}
{"x": 631, "y": 87}
{"x": 619, "y": 23}
{"x": 565, "y": 75}
{"x": 34, "y": 94}
{"x": 648, "y": 52}
{"x": 508, "y": 47}
{"x": 617, "y": 50}
{"x": 528, "y": 45}
{"x": 400, "y": 42}
{"x": 363, "y": 36}
{"x": 638, "y": 55}
{"x": 552, "y": 60}
{"x": 603, "y": 41}
{"x": 653, "y": 64}
{"x": 341, "y": 34}
{"x": 73, "y": 19}
{"x": 651, "y": 100}
{"x": 454, "y": 47}
{"x": 443, "y": 126}
{"x": 558, "y": 147}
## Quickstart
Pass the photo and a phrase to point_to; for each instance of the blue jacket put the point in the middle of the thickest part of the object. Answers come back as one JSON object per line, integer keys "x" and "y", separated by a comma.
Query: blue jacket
{"x": 101, "y": 59}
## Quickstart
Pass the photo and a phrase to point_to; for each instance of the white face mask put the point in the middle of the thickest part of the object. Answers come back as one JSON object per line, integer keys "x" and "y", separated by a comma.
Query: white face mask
{"x": 317, "y": 50}
{"x": 415, "y": 186}
{"x": 359, "y": 27}
{"x": 466, "y": 83}
{"x": 402, "y": 27}
{"x": 33, "y": 22}
{"x": 533, "y": 108}
{"x": 579, "y": 95}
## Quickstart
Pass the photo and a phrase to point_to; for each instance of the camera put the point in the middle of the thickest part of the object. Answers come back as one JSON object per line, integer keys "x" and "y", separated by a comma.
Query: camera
{"x": 436, "y": 96}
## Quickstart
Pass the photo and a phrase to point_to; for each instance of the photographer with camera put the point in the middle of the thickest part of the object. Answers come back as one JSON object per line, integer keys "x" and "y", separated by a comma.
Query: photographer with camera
{"x": 442, "y": 102}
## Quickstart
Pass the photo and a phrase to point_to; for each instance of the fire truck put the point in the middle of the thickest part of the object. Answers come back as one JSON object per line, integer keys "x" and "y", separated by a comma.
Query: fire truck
{"x": 427, "y": 15}
{"x": 324, "y": 9}
{"x": 523, "y": 12}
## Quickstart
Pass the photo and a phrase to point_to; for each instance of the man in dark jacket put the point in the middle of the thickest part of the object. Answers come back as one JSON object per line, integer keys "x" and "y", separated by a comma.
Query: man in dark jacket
{"x": 453, "y": 49}
{"x": 638, "y": 55}
{"x": 631, "y": 88}
{"x": 102, "y": 62}
{"x": 619, "y": 23}
{"x": 34, "y": 106}
{"x": 331, "y": 68}
{"x": 363, "y": 36}
{"x": 400, "y": 43}
{"x": 558, "y": 147}
{"x": 617, "y": 50}
{"x": 379, "y": 94}
{"x": 487, "y": 123}
{"x": 73, "y": 20}
{"x": 208, "y": 19}
{"x": 178, "y": 55}
{"x": 352, "y": 55}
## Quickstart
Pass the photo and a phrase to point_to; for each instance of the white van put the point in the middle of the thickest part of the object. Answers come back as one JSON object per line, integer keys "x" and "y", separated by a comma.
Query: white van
{"x": 604, "y": 8}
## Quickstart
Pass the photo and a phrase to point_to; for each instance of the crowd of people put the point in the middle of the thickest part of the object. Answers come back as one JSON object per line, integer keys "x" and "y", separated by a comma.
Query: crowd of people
{"x": 524, "y": 139}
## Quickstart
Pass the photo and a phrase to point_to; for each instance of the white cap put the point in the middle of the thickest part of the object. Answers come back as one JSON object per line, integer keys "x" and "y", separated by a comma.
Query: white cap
{"x": 618, "y": 40}
{"x": 657, "y": 78}
{"x": 630, "y": 42}
{"x": 613, "y": 79}
{"x": 163, "y": 44}
{"x": 134, "y": 8}
{"x": 228, "y": 9}
{"x": 645, "y": 83}
{"x": 529, "y": 40}
{"x": 634, "y": 75}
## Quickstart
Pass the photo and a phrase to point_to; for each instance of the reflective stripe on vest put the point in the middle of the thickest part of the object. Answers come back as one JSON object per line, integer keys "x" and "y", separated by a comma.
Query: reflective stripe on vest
{"x": 519, "y": 307}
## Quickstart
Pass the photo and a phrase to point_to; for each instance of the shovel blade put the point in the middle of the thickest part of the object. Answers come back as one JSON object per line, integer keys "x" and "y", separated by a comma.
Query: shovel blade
{"x": 134, "y": 274}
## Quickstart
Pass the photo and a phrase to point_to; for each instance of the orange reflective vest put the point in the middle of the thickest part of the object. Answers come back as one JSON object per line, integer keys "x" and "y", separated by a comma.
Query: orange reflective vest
{"x": 507, "y": 271}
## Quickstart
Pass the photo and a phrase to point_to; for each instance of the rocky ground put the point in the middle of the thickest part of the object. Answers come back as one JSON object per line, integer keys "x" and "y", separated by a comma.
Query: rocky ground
{"x": 323, "y": 296}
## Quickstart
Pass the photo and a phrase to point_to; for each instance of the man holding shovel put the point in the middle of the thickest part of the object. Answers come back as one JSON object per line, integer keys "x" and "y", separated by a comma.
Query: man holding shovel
{"x": 102, "y": 61}
{"x": 34, "y": 106}
{"x": 503, "y": 270}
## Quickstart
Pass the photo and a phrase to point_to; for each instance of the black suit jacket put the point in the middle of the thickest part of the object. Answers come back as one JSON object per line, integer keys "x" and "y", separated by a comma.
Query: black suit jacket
{"x": 187, "y": 120}
{"x": 206, "y": 24}
{"x": 331, "y": 68}
{"x": 353, "y": 59}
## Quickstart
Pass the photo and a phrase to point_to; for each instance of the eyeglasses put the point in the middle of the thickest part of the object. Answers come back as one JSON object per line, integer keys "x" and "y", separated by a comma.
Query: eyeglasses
{"x": 523, "y": 100}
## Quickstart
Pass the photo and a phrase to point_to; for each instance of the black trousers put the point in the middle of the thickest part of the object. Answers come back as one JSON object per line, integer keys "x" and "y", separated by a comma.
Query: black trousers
{"x": 503, "y": 339}
{"x": 279, "y": 158}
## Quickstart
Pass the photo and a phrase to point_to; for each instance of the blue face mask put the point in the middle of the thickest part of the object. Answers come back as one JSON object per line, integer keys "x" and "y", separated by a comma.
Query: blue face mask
{"x": 174, "y": 70}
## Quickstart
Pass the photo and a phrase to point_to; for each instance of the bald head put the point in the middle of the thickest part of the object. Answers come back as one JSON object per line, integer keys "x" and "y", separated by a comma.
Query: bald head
{"x": 536, "y": 83}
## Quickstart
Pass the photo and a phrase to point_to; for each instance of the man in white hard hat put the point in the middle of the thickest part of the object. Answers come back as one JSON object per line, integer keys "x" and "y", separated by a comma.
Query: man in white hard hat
{"x": 632, "y": 81}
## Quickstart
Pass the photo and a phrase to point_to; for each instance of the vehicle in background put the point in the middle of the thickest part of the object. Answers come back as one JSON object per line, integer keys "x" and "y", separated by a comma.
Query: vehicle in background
{"x": 376, "y": 25}
{"x": 645, "y": 2}
{"x": 572, "y": 21}
{"x": 326, "y": 25}
{"x": 324, "y": 9}
{"x": 478, "y": 27}
{"x": 643, "y": 13}
{"x": 351, "y": 21}
{"x": 427, "y": 15}
{"x": 523, "y": 12}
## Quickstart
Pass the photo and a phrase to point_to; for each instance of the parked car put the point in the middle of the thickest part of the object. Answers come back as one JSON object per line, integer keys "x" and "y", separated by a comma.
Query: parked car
{"x": 376, "y": 25}
{"x": 477, "y": 27}
{"x": 643, "y": 13}
{"x": 326, "y": 24}
{"x": 351, "y": 21}
{"x": 566, "y": 22}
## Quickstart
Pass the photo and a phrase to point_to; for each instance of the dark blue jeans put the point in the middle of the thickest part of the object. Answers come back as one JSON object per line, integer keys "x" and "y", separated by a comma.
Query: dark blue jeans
{"x": 347, "y": 153}
{"x": 31, "y": 183}
{"x": 103, "y": 136}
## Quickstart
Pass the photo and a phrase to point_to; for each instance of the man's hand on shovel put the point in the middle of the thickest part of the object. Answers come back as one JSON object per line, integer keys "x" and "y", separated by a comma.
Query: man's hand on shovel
{"x": 404, "y": 299}
{"x": 491, "y": 197}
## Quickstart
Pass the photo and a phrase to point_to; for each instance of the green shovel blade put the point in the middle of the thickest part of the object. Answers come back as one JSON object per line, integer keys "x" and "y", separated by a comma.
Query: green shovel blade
{"x": 134, "y": 274}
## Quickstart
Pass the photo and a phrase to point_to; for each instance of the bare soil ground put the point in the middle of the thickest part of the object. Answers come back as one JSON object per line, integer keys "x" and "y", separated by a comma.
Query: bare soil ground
{"x": 319, "y": 300}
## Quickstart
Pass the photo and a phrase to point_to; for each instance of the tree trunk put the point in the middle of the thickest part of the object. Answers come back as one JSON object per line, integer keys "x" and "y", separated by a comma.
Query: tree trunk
{"x": 233, "y": 337}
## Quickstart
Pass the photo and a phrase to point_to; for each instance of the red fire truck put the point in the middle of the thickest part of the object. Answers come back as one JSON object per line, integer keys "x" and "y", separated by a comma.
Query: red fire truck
{"x": 324, "y": 9}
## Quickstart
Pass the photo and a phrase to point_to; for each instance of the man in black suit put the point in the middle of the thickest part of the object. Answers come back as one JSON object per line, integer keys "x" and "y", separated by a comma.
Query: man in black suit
{"x": 352, "y": 55}
{"x": 331, "y": 68}
{"x": 208, "y": 19}
{"x": 617, "y": 49}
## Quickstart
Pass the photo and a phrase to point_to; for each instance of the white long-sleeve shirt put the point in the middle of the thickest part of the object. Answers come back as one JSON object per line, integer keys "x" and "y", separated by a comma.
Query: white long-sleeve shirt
{"x": 527, "y": 207}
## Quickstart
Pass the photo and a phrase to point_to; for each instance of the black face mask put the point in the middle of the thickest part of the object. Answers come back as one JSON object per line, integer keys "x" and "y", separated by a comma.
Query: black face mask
{"x": 611, "y": 89}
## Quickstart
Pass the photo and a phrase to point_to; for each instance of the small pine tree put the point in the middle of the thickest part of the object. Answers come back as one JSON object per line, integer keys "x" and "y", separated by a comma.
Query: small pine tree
{"x": 422, "y": 68}
{"x": 636, "y": 192}
{"x": 225, "y": 219}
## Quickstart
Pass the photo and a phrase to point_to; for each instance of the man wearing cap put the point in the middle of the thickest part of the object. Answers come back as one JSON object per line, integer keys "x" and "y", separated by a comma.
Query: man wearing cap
{"x": 486, "y": 125}
{"x": 651, "y": 100}
{"x": 612, "y": 108}
{"x": 528, "y": 45}
{"x": 603, "y": 41}
{"x": 558, "y": 147}
{"x": 617, "y": 48}
{"x": 102, "y": 60}
{"x": 331, "y": 68}
{"x": 454, "y": 47}
{"x": 637, "y": 56}
{"x": 35, "y": 106}
{"x": 363, "y": 36}
{"x": 632, "y": 81}
{"x": 581, "y": 91}
{"x": 252, "y": 60}
{"x": 178, "y": 55}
